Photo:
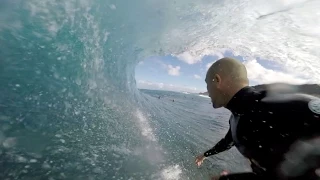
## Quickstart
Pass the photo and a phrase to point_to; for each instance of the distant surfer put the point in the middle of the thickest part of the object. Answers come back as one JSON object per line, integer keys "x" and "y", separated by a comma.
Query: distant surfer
{"x": 278, "y": 133}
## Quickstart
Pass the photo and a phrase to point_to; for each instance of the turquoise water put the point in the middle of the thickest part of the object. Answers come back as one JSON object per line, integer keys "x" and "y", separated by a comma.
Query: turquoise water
{"x": 69, "y": 105}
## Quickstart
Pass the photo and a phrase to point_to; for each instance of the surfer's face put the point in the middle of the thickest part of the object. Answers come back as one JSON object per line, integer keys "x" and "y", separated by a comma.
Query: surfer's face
{"x": 213, "y": 85}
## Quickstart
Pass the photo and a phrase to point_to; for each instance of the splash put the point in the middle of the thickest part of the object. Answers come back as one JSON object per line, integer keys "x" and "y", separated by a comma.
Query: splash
{"x": 145, "y": 128}
{"x": 171, "y": 173}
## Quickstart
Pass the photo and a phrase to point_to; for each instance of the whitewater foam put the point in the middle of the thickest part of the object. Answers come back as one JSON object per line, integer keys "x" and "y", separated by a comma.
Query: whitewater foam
{"x": 145, "y": 128}
{"x": 171, "y": 173}
{"x": 204, "y": 96}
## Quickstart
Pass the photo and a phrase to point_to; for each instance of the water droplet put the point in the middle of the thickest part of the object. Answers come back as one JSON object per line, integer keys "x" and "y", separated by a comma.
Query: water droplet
{"x": 9, "y": 142}
{"x": 78, "y": 81}
{"x": 56, "y": 75}
{"x": 112, "y": 6}
{"x": 63, "y": 175}
{"x": 33, "y": 160}
{"x": 45, "y": 165}
{"x": 25, "y": 171}
{"x": 21, "y": 159}
{"x": 92, "y": 85}
{"x": 97, "y": 170}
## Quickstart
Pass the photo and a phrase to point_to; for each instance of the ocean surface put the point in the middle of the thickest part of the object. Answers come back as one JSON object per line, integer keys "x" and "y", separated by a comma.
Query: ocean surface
{"x": 69, "y": 104}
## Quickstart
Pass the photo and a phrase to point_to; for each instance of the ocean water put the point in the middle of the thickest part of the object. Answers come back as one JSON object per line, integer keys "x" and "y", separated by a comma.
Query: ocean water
{"x": 69, "y": 105}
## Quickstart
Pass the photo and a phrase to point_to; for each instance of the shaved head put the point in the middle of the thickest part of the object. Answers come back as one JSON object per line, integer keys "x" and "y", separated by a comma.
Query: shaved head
{"x": 224, "y": 79}
{"x": 230, "y": 69}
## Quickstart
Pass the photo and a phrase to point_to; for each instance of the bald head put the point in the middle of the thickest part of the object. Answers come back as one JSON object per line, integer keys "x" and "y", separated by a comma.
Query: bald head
{"x": 229, "y": 69}
{"x": 224, "y": 79}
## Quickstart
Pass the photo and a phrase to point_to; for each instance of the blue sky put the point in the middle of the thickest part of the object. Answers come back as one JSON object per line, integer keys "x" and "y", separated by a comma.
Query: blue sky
{"x": 183, "y": 73}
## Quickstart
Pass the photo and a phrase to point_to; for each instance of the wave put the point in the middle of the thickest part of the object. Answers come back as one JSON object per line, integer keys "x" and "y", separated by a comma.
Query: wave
{"x": 204, "y": 96}
{"x": 67, "y": 74}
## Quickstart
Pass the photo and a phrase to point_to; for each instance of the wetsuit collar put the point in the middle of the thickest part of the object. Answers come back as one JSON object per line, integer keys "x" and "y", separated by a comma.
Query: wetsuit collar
{"x": 237, "y": 104}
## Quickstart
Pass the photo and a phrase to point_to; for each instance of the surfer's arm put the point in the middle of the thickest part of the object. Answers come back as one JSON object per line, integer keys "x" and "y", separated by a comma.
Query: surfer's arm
{"x": 223, "y": 145}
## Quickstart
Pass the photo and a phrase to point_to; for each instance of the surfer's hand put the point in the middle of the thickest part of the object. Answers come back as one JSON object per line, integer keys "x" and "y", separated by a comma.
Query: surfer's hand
{"x": 199, "y": 159}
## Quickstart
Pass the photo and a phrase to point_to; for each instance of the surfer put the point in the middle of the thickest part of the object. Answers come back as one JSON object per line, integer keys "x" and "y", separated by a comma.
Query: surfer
{"x": 278, "y": 133}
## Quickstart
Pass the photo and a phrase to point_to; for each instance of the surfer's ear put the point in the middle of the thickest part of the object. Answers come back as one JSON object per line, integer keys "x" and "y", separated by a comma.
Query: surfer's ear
{"x": 217, "y": 80}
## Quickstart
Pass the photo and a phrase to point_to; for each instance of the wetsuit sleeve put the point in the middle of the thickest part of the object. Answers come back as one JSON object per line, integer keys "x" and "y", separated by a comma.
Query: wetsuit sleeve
{"x": 223, "y": 145}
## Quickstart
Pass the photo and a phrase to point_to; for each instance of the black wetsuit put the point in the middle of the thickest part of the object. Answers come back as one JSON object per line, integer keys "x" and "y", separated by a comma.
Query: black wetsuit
{"x": 263, "y": 128}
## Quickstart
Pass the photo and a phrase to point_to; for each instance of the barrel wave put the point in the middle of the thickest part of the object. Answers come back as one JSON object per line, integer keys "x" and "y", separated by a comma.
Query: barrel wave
{"x": 69, "y": 105}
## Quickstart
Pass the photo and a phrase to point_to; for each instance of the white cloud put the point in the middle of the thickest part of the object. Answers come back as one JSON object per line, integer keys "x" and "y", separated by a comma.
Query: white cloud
{"x": 160, "y": 85}
{"x": 188, "y": 58}
{"x": 169, "y": 87}
{"x": 192, "y": 58}
{"x": 218, "y": 54}
{"x": 260, "y": 74}
{"x": 112, "y": 6}
{"x": 197, "y": 76}
{"x": 173, "y": 71}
